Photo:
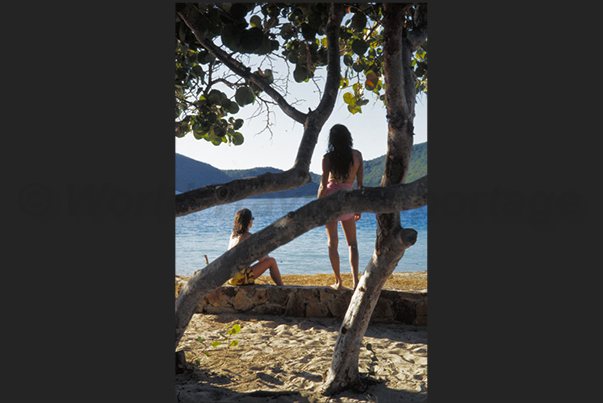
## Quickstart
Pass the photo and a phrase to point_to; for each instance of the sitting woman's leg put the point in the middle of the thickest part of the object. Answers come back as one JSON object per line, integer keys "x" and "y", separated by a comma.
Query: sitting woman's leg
{"x": 270, "y": 263}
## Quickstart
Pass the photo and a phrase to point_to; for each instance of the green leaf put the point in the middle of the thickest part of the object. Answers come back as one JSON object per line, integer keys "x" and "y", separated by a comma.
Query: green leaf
{"x": 252, "y": 39}
{"x": 255, "y": 21}
{"x": 233, "y": 343}
{"x": 231, "y": 36}
{"x": 308, "y": 32}
{"x": 198, "y": 71}
{"x": 206, "y": 353}
{"x": 216, "y": 344}
{"x": 238, "y": 11}
{"x": 214, "y": 97}
{"x": 268, "y": 76}
{"x": 348, "y": 98}
{"x": 358, "y": 66}
{"x": 300, "y": 74}
{"x": 343, "y": 83}
{"x": 232, "y": 107}
{"x": 347, "y": 60}
{"x": 359, "y": 47}
{"x": 287, "y": 31}
{"x": 358, "y": 21}
{"x": 236, "y": 329}
{"x": 223, "y": 335}
{"x": 244, "y": 96}
{"x": 237, "y": 140}
{"x": 238, "y": 124}
{"x": 200, "y": 340}
{"x": 371, "y": 80}
{"x": 369, "y": 347}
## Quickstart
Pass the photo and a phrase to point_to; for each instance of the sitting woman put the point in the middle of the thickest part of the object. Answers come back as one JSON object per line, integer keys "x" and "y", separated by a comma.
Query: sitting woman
{"x": 243, "y": 221}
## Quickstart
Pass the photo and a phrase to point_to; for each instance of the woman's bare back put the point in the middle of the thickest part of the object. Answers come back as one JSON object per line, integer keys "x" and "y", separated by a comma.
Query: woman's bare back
{"x": 356, "y": 169}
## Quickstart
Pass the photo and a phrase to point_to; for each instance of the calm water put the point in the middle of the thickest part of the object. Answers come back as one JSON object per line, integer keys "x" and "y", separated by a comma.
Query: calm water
{"x": 207, "y": 233}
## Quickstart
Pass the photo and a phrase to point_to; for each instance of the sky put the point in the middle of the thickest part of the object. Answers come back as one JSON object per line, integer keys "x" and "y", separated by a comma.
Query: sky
{"x": 278, "y": 150}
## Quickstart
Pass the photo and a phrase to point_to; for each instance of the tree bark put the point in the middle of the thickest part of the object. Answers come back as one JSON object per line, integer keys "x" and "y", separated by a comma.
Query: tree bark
{"x": 314, "y": 214}
{"x": 392, "y": 239}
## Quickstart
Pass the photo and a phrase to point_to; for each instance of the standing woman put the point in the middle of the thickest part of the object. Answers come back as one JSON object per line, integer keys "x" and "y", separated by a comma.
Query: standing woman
{"x": 340, "y": 166}
{"x": 243, "y": 221}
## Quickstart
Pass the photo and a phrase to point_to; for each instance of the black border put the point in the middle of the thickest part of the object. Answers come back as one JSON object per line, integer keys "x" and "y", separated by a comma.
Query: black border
{"x": 91, "y": 117}
{"x": 94, "y": 105}
{"x": 509, "y": 204}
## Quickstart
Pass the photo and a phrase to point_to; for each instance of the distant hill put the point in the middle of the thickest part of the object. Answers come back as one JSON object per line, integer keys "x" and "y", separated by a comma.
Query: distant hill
{"x": 373, "y": 169}
{"x": 191, "y": 174}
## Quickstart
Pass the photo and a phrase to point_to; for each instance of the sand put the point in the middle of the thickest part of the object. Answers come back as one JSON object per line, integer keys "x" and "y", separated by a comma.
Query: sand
{"x": 283, "y": 359}
{"x": 401, "y": 281}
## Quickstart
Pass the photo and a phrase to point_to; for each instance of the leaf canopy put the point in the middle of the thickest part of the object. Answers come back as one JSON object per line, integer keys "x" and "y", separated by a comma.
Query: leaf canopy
{"x": 208, "y": 95}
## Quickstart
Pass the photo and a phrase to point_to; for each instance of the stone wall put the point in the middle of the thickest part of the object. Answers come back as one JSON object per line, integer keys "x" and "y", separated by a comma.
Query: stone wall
{"x": 393, "y": 306}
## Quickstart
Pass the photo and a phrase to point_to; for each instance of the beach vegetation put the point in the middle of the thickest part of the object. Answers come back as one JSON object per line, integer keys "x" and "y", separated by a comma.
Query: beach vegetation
{"x": 369, "y": 51}
{"x": 218, "y": 341}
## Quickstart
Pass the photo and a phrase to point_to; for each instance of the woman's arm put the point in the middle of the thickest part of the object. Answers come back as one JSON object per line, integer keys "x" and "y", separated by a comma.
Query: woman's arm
{"x": 359, "y": 181}
{"x": 324, "y": 179}
{"x": 360, "y": 172}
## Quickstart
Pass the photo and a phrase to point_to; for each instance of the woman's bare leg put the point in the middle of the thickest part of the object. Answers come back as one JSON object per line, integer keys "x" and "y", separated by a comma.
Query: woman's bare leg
{"x": 349, "y": 230}
{"x": 270, "y": 263}
{"x": 333, "y": 242}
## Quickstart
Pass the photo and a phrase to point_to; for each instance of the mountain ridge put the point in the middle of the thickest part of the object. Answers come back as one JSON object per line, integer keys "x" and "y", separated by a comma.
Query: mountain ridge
{"x": 193, "y": 174}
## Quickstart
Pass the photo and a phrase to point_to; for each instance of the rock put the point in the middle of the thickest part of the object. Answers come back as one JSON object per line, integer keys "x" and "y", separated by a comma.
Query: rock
{"x": 339, "y": 305}
{"x": 260, "y": 296}
{"x": 295, "y": 306}
{"x": 308, "y": 294}
{"x": 267, "y": 309}
{"x": 404, "y": 310}
{"x": 279, "y": 295}
{"x": 383, "y": 312}
{"x": 217, "y": 297}
{"x": 409, "y": 307}
{"x": 327, "y": 294}
{"x": 214, "y": 310}
{"x": 316, "y": 310}
{"x": 421, "y": 310}
{"x": 241, "y": 301}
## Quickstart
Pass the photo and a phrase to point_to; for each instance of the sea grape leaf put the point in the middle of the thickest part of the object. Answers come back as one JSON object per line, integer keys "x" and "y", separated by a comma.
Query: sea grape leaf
{"x": 244, "y": 96}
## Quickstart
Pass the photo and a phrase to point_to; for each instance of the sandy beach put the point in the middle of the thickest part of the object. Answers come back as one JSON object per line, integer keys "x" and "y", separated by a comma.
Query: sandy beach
{"x": 283, "y": 359}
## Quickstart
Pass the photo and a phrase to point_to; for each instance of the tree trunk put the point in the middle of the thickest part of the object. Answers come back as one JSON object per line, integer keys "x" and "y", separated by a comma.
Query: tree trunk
{"x": 392, "y": 239}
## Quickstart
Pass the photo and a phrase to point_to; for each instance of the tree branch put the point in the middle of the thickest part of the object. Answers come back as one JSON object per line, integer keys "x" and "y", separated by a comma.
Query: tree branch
{"x": 418, "y": 35}
{"x": 245, "y": 72}
{"x": 416, "y": 38}
{"x": 327, "y": 103}
{"x": 314, "y": 214}
{"x": 213, "y": 195}
{"x": 319, "y": 116}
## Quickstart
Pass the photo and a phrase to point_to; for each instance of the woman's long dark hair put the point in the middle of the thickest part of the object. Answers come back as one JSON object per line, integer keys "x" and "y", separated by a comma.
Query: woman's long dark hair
{"x": 241, "y": 222}
{"x": 340, "y": 151}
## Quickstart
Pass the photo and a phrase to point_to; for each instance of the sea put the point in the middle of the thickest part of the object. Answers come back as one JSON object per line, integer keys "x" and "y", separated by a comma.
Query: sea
{"x": 207, "y": 232}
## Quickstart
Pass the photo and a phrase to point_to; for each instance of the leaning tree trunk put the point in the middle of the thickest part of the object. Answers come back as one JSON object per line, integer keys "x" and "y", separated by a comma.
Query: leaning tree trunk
{"x": 392, "y": 239}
